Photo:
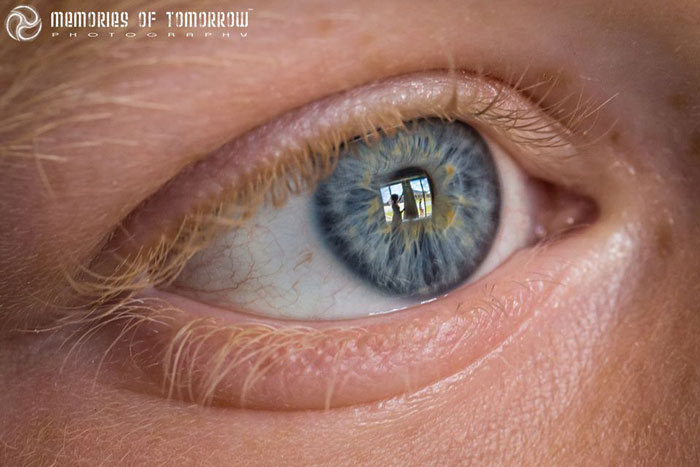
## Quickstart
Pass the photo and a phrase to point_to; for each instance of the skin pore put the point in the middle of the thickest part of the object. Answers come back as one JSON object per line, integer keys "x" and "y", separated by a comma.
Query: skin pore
{"x": 602, "y": 372}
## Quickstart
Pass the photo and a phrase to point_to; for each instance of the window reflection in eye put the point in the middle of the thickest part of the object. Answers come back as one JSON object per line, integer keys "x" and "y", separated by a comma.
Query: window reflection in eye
{"x": 408, "y": 194}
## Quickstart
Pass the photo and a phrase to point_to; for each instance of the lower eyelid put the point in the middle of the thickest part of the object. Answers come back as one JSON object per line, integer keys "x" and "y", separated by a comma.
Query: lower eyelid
{"x": 232, "y": 360}
{"x": 193, "y": 352}
{"x": 225, "y": 358}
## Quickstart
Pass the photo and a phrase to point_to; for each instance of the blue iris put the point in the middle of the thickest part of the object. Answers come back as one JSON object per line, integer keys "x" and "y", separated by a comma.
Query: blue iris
{"x": 415, "y": 212}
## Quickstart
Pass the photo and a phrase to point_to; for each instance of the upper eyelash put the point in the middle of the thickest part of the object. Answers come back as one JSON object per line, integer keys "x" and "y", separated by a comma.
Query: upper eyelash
{"x": 160, "y": 263}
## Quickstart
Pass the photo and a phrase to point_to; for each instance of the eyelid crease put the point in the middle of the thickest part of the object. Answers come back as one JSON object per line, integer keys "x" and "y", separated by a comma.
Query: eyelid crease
{"x": 301, "y": 147}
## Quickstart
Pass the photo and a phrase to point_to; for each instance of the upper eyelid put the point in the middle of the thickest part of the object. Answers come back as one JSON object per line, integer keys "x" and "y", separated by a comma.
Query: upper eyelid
{"x": 314, "y": 129}
{"x": 172, "y": 221}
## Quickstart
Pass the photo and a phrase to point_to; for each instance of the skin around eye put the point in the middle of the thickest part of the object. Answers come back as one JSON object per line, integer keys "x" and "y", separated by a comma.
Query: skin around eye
{"x": 213, "y": 355}
{"x": 279, "y": 264}
{"x": 598, "y": 366}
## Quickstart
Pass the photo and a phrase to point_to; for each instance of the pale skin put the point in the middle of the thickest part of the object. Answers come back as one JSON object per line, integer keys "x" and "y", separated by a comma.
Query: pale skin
{"x": 606, "y": 373}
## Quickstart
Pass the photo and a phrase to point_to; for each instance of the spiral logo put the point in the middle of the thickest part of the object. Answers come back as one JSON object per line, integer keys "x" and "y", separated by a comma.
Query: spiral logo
{"x": 21, "y": 19}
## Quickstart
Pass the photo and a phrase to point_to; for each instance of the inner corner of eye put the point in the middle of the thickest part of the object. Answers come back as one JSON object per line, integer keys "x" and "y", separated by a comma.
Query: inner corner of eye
{"x": 402, "y": 218}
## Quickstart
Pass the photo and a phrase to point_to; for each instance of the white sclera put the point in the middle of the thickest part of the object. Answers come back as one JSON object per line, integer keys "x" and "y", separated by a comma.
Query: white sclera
{"x": 277, "y": 265}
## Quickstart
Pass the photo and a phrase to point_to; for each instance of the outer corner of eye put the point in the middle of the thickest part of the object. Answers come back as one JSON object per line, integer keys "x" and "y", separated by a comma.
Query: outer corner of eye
{"x": 402, "y": 219}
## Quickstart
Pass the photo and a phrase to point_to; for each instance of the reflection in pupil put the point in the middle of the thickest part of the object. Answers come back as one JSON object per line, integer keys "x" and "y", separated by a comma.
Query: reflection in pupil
{"x": 406, "y": 197}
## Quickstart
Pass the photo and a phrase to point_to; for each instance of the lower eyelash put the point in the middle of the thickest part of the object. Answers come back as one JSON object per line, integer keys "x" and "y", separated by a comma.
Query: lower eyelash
{"x": 253, "y": 365}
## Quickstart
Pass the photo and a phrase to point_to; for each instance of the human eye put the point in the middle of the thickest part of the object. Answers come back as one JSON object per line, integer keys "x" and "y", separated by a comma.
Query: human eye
{"x": 400, "y": 219}
{"x": 242, "y": 279}
{"x": 344, "y": 249}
